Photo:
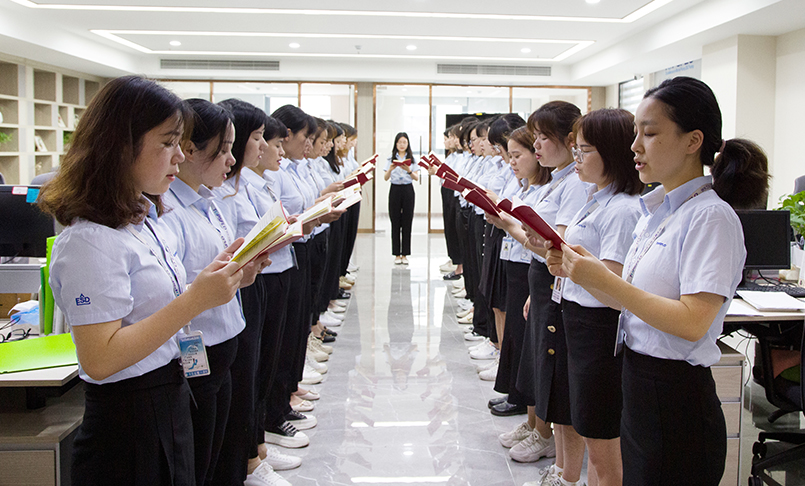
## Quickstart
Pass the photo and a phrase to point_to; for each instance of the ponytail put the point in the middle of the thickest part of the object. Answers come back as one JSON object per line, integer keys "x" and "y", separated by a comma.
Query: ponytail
{"x": 741, "y": 174}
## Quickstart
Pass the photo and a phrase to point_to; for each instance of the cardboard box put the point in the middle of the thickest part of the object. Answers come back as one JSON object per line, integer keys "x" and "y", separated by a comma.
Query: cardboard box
{"x": 7, "y": 301}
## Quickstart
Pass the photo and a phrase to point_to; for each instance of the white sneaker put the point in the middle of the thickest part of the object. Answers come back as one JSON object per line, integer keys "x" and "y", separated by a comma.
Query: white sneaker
{"x": 352, "y": 268}
{"x": 300, "y": 420}
{"x": 329, "y": 321}
{"x": 279, "y": 461}
{"x": 303, "y": 406}
{"x": 264, "y": 475}
{"x": 316, "y": 354}
{"x": 464, "y": 313}
{"x": 447, "y": 267}
{"x": 487, "y": 365}
{"x": 485, "y": 353}
{"x": 464, "y": 304}
{"x": 485, "y": 344}
{"x": 516, "y": 435}
{"x": 473, "y": 336}
{"x": 532, "y": 448}
{"x": 348, "y": 278}
{"x": 491, "y": 374}
{"x": 460, "y": 295}
{"x": 320, "y": 367}
{"x": 457, "y": 290}
{"x": 310, "y": 376}
{"x": 311, "y": 394}
{"x": 340, "y": 317}
{"x": 316, "y": 344}
{"x": 338, "y": 302}
{"x": 466, "y": 319}
{"x": 336, "y": 309}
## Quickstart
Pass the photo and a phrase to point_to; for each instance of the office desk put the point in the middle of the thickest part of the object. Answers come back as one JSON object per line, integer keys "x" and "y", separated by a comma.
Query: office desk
{"x": 744, "y": 316}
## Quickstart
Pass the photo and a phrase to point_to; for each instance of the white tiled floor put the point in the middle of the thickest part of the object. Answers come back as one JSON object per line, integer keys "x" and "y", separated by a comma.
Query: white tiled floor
{"x": 402, "y": 403}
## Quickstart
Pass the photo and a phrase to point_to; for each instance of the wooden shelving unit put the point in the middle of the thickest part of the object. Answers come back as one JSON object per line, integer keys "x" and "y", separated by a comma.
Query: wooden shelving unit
{"x": 37, "y": 102}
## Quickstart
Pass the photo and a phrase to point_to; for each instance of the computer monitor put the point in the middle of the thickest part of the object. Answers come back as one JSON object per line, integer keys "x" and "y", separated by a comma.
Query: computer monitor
{"x": 24, "y": 228}
{"x": 767, "y": 237}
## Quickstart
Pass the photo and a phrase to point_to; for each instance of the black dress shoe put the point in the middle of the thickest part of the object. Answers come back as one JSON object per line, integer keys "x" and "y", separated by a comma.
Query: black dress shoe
{"x": 330, "y": 332}
{"x": 451, "y": 276}
{"x": 506, "y": 409}
{"x": 496, "y": 401}
{"x": 343, "y": 294}
{"x": 326, "y": 338}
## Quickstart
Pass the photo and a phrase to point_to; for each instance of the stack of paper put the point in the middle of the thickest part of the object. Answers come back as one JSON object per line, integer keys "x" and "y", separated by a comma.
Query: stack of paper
{"x": 771, "y": 301}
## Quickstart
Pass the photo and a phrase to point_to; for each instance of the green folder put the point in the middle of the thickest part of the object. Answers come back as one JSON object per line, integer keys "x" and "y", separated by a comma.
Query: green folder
{"x": 46, "y": 301}
{"x": 37, "y": 353}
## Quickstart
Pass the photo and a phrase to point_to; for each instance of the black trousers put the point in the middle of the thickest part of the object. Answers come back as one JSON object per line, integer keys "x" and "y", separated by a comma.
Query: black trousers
{"x": 449, "y": 203}
{"x": 238, "y": 445}
{"x": 136, "y": 432}
{"x": 471, "y": 278}
{"x": 212, "y": 395}
{"x": 350, "y": 234}
{"x": 401, "y": 213}
{"x": 318, "y": 252}
{"x": 332, "y": 265}
{"x": 271, "y": 352}
{"x": 461, "y": 236}
{"x": 483, "y": 321}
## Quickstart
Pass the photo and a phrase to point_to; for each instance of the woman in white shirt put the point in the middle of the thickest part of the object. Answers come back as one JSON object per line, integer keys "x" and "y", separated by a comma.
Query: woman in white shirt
{"x": 401, "y": 197}
{"x": 118, "y": 282}
{"x": 678, "y": 280}
{"x": 604, "y": 226}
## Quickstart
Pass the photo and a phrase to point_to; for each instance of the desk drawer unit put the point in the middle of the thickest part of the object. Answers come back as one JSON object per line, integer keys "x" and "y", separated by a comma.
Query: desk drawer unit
{"x": 728, "y": 375}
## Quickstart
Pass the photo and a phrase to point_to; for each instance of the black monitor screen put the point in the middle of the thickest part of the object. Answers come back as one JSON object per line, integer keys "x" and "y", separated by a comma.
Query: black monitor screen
{"x": 767, "y": 239}
{"x": 24, "y": 228}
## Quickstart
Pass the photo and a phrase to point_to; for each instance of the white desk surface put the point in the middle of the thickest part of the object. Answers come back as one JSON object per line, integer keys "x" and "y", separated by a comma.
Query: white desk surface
{"x": 740, "y": 311}
{"x": 58, "y": 376}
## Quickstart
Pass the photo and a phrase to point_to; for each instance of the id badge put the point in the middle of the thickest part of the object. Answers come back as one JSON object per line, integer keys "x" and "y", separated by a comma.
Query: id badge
{"x": 506, "y": 248}
{"x": 556, "y": 294}
{"x": 194, "y": 355}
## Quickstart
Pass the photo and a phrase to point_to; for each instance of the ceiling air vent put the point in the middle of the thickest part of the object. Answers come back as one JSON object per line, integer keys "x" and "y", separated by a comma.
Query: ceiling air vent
{"x": 493, "y": 69}
{"x": 210, "y": 64}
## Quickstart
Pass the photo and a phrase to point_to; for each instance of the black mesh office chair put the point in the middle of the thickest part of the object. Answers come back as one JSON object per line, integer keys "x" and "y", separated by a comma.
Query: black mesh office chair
{"x": 786, "y": 395}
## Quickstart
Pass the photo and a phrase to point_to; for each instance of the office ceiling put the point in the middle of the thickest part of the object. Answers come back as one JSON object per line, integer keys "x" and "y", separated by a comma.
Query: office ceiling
{"x": 355, "y": 40}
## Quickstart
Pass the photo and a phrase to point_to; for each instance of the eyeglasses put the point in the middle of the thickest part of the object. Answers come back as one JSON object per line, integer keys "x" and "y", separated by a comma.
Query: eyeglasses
{"x": 579, "y": 154}
{"x": 15, "y": 335}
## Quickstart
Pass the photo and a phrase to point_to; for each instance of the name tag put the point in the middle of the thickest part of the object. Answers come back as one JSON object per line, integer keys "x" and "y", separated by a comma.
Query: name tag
{"x": 556, "y": 295}
{"x": 194, "y": 355}
{"x": 506, "y": 248}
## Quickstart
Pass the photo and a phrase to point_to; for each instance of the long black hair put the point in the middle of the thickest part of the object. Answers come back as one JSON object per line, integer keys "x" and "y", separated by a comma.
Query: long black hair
{"x": 332, "y": 157}
{"x": 408, "y": 153}
{"x": 740, "y": 171}
{"x": 247, "y": 118}
{"x": 209, "y": 121}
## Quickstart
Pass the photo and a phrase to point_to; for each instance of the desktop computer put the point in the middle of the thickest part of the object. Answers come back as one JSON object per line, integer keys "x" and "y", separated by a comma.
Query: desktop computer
{"x": 24, "y": 228}
{"x": 767, "y": 238}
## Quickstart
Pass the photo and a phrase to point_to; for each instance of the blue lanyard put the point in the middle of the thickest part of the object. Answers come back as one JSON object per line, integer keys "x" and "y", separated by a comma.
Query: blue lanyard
{"x": 161, "y": 259}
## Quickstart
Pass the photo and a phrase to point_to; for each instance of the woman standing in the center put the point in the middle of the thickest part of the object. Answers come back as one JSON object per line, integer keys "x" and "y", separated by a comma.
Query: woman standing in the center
{"x": 401, "y": 196}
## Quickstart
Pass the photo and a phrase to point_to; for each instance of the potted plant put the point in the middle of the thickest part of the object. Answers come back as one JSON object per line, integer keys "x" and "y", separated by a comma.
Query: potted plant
{"x": 795, "y": 204}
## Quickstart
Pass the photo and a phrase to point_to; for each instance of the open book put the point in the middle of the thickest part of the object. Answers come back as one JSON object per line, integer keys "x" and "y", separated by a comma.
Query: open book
{"x": 424, "y": 162}
{"x": 363, "y": 176}
{"x": 371, "y": 160}
{"x": 481, "y": 199}
{"x": 316, "y": 211}
{"x": 526, "y": 215}
{"x": 347, "y": 197}
{"x": 433, "y": 159}
{"x": 401, "y": 163}
{"x": 271, "y": 233}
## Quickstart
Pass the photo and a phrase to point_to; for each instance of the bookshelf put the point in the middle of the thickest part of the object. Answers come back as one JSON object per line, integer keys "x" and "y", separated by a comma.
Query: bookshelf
{"x": 40, "y": 108}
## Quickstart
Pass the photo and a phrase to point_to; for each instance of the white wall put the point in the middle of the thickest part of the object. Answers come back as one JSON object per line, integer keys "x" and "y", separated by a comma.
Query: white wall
{"x": 789, "y": 156}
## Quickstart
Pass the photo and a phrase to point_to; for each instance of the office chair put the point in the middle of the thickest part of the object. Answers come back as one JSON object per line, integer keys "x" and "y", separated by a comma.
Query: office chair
{"x": 787, "y": 396}
{"x": 799, "y": 184}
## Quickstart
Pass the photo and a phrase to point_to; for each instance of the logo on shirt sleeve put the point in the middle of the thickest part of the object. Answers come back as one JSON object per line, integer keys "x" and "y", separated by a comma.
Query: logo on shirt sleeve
{"x": 82, "y": 300}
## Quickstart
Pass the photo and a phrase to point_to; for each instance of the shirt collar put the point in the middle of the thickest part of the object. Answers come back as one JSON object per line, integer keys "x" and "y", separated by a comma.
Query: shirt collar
{"x": 186, "y": 195}
{"x": 558, "y": 174}
{"x": 658, "y": 197}
{"x": 252, "y": 178}
{"x": 603, "y": 196}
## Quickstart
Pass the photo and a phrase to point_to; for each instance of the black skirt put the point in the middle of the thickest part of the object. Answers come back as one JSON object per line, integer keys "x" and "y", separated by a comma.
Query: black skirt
{"x": 493, "y": 269}
{"x": 543, "y": 363}
{"x": 673, "y": 430}
{"x": 511, "y": 349}
{"x": 594, "y": 371}
{"x": 136, "y": 432}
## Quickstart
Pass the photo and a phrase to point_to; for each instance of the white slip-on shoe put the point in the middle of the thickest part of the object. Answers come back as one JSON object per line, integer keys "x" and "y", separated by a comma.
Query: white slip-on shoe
{"x": 518, "y": 434}
{"x": 320, "y": 367}
{"x": 491, "y": 374}
{"x": 279, "y": 461}
{"x": 464, "y": 304}
{"x": 264, "y": 475}
{"x": 464, "y": 313}
{"x": 310, "y": 394}
{"x": 328, "y": 321}
{"x": 303, "y": 406}
{"x": 318, "y": 345}
{"x": 316, "y": 354}
{"x": 336, "y": 309}
{"x": 465, "y": 320}
{"x": 340, "y": 316}
{"x": 352, "y": 268}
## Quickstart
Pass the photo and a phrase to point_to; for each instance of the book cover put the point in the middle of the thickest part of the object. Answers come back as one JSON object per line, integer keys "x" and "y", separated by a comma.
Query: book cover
{"x": 270, "y": 227}
{"x": 526, "y": 215}
{"x": 480, "y": 199}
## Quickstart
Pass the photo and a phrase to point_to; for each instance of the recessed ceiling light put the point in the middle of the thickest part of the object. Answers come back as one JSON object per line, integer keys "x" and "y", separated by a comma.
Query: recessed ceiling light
{"x": 294, "y": 45}
{"x": 411, "y": 47}
{"x": 175, "y": 43}
{"x": 525, "y": 50}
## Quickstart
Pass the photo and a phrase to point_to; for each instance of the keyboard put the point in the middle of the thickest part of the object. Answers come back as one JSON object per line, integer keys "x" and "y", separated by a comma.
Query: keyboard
{"x": 792, "y": 290}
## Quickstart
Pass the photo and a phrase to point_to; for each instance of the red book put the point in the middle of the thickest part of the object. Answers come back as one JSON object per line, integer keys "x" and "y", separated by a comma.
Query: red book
{"x": 401, "y": 163}
{"x": 372, "y": 160}
{"x": 526, "y": 215}
{"x": 446, "y": 169}
{"x": 453, "y": 185}
{"x": 424, "y": 163}
{"x": 480, "y": 199}
{"x": 434, "y": 160}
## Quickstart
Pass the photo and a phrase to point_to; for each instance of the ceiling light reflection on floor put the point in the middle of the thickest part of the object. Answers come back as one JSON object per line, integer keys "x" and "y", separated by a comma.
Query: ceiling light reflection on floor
{"x": 401, "y": 479}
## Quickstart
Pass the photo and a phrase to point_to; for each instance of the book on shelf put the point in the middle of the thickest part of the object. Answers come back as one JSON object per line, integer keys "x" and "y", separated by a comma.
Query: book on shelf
{"x": 40, "y": 144}
{"x": 526, "y": 215}
{"x": 271, "y": 233}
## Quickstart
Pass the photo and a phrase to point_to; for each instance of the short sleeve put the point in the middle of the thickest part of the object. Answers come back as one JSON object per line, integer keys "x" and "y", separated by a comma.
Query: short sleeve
{"x": 388, "y": 163}
{"x": 89, "y": 275}
{"x": 713, "y": 252}
{"x": 616, "y": 232}
{"x": 574, "y": 196}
